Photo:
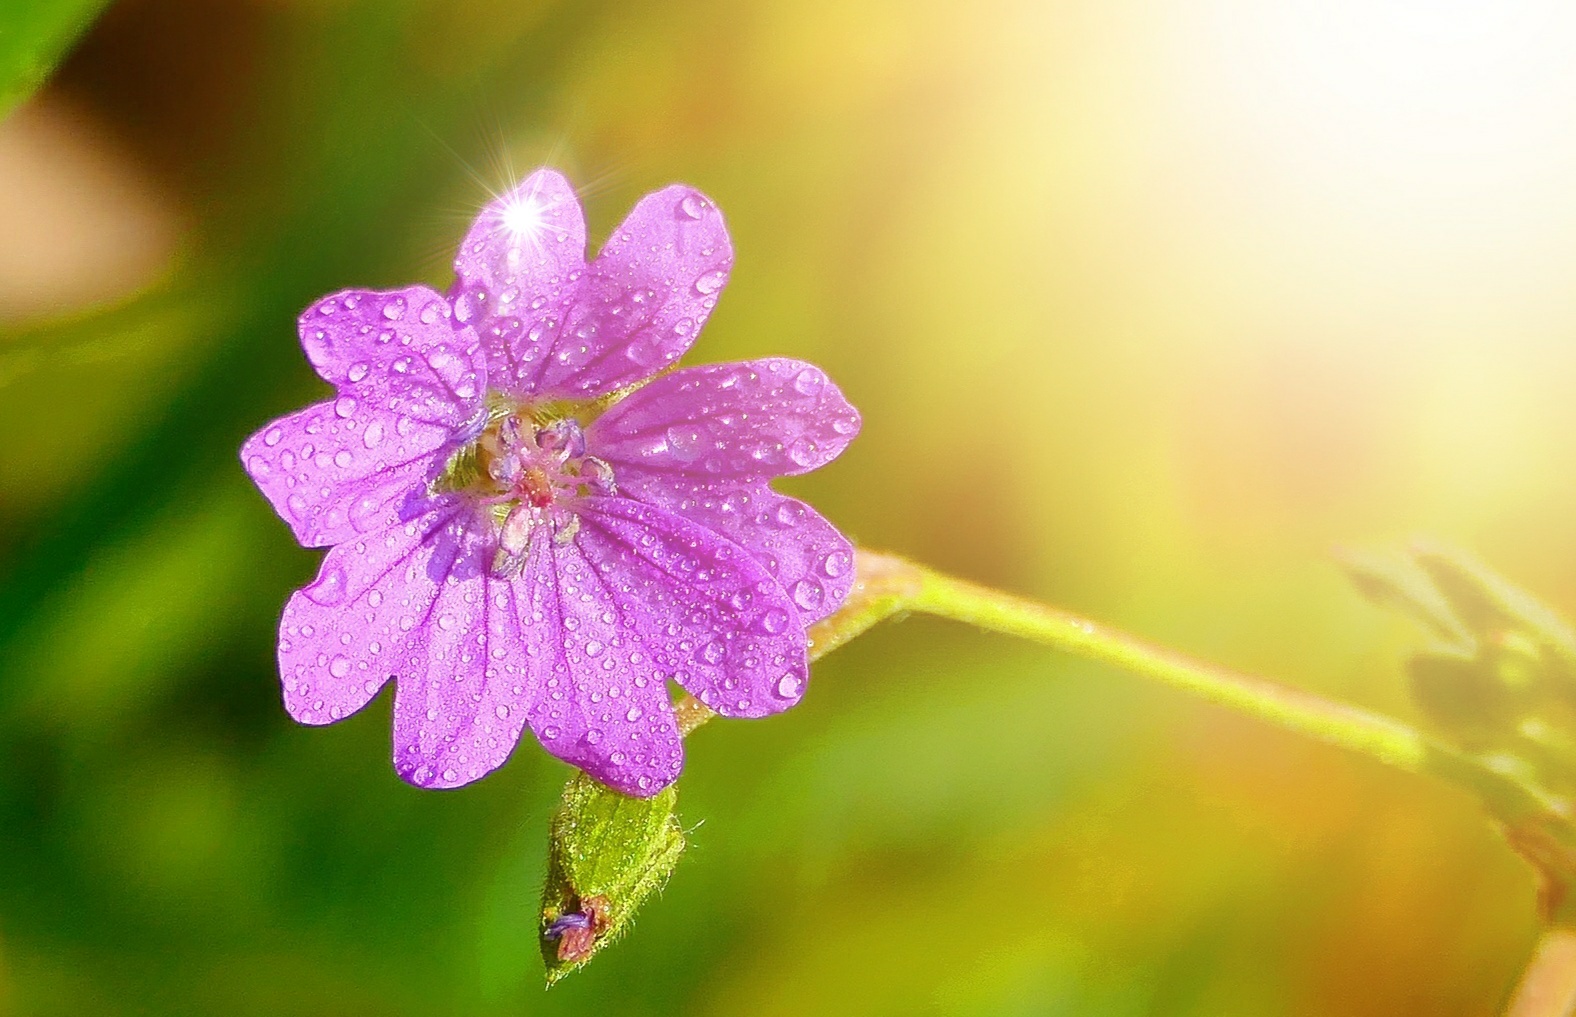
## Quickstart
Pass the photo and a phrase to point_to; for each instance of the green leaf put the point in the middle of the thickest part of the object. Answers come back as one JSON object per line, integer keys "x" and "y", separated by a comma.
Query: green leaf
{"x": 1488, "y": 604}
{"x": 608, "y": 853}
{"x": 34, "y": 35}
{"x": 1396, "y": 582}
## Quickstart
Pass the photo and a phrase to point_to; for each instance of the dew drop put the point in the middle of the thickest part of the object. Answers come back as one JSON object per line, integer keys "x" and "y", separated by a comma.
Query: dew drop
{"x": 807, "y": 593}
{"x": 789, "y": 686}
{"x": 344, "y": 407}
{"x": 836, "y": 564}
{"x": 774, "y": 621}
{"x": 711, "y": 282}
{"x": 684, "y": 440}
{"x": 357, "y": 372}
{"x": 802, "y": 452}
{"x": 328, "y": 590}
{"x": 809, "y": 381}
{"x": 273, "y": 436}
{"x": 340, "y": 667}
{"x": 373, "y": 435}
{"x": 693, "y": 206}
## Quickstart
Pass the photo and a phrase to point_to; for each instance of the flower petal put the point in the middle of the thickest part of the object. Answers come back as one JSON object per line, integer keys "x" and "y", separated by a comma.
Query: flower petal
{"x": 804, "y": 552}
{"x": 397, "y": 352}
{"x": 459, "y": 713}
{"x": 360, "y": 622}
{"x": 516, "y": 273}
{"x": 770, "y": 417}
{"x": 643, "y": 300}
{"x": 606, "y": 707}
{"x": 336, "y": 470}
{"x": 707, "y": 613}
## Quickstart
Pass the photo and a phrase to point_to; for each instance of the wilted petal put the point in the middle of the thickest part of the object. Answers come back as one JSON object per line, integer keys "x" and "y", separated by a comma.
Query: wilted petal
{"x": 397, "y": 352}
{"x": 339, "y": 469}
{"x": 771, "y": 417}
{"x": 516, "y": 273}
{"x": 645, "y": 297}
{"x": 363, "y": 620}
{"x": 804, "y": 552}
{"x": 709, "y": 615}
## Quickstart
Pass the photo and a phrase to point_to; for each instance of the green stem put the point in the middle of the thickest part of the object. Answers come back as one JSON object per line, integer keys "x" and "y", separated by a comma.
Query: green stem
{"x": 890, "y": 585}
{"x": 1386, "y": 740}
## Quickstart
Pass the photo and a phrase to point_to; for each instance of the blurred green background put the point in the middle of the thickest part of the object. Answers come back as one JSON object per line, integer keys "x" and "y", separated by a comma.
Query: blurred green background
{"x": 1147, "y": 307}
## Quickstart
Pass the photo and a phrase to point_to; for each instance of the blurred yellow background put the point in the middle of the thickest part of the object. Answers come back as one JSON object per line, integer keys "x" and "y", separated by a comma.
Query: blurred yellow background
{"x": 1147, "y": 306}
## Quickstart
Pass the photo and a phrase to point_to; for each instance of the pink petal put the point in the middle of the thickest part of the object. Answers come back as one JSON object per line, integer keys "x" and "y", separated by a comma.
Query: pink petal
{"x": 606, "y": 706}
{"x": 409, "y": 383}
{"x": 704, "y": 612}
{"x": 804, "y": 552}
{"x": 459, "y": 711}
{"x": 770, "y": 417}
{"x": 516, "y": 272}
{"x": 644, "y": 299}
{"x": 362, "y": 621}
{"x": 336, "y": 469}
{"x": 397, "y": 352}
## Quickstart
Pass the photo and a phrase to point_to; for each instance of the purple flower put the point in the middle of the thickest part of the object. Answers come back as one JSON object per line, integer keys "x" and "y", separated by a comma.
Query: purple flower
{"x": 527, "y": 526}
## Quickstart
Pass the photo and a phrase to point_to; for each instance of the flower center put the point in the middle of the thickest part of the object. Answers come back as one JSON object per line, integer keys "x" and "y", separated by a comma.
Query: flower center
{"x": 529, "y": 467}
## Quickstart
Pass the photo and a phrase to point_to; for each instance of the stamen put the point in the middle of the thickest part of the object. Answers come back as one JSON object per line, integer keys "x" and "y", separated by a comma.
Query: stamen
{"x": 530, "y": 463}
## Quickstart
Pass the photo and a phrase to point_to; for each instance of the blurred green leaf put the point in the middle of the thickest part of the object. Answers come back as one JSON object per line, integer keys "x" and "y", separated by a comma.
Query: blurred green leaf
{"x": 34, "y": 35}
{"x": 1398, "y": 583}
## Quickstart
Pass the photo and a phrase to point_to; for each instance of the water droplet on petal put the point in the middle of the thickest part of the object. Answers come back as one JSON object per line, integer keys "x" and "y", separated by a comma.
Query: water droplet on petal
{"x": 836, "y": 564}
{"x": 789, "y": 686}
{"x": 807, "y": 593}
{"x": 711, "y": 282}
{"x": 774, "y": 621}
{"x": 693, "y": 206}
{"x": 328, "y": 590}
{"x": 272, "y": 437}
{"x": 684, "y": 440}
{"x": 809, "y": 381}
{"x": 373, "y": 435}
{"x": 345, "y": 407}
